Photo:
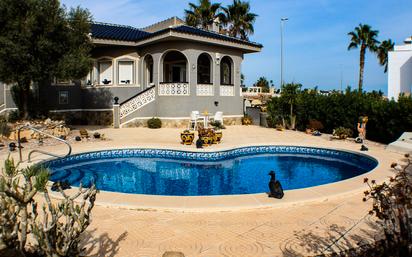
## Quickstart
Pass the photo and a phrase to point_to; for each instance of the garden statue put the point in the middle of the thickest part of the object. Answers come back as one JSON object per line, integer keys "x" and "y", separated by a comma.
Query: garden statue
{"x": 362, "y": 132}
{"x": 276, "y": 190}
{"x": 199, "y": 143}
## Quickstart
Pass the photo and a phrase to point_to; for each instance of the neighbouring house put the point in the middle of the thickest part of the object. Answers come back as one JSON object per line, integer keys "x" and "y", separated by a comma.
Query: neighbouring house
{"x": 400, "y": 70}
{"x": 165, "y": 70}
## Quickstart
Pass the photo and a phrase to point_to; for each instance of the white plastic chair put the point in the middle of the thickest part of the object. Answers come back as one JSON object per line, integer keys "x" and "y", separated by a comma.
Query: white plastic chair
{"x": 218, "y": 117}
{"x": 194, "y": 116}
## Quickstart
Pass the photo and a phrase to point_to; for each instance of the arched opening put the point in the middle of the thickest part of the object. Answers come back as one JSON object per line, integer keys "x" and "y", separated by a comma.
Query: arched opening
{"x": 148, "y": 70}
{"x": 204, "y": 69}
{"x": 174, "y": 67}
{"x": 226, "y": 71}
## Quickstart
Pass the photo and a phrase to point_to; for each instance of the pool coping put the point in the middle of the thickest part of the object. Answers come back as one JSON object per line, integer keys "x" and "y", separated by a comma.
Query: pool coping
{"x": 222, "y": 203}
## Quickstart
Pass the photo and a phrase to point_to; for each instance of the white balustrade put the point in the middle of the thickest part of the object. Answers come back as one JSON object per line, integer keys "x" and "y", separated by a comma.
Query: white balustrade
{"x": 205, "y": 90}
{"x": 137, "y": 102}
{"x": 174, "y": 89}
{"x": 227, "y": 90}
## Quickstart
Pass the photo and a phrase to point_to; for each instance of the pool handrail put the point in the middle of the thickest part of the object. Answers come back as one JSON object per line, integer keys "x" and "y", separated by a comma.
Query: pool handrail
{"x": 40, "y": 151}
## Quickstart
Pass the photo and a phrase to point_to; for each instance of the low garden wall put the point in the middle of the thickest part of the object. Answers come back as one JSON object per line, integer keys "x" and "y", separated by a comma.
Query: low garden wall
{"x": 179, "y": 123}
{"x": 101, "y": 118}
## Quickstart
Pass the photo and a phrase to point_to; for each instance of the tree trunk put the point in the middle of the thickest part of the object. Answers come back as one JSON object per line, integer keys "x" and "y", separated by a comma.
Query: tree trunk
{"x": 24, "y": 98}
{"x": 292, "y": 122}
{"x": 361, "y": 67}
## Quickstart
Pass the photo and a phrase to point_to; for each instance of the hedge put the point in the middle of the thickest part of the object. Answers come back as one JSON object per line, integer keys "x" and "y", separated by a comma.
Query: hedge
{"x": 387, "y": 119}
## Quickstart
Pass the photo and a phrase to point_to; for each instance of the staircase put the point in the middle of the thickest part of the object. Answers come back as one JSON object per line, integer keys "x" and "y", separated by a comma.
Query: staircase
{"x": 130, "y": 106}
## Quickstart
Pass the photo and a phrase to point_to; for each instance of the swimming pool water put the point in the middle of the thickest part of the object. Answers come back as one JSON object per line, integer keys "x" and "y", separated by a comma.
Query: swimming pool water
{"x": 189, "y": 174}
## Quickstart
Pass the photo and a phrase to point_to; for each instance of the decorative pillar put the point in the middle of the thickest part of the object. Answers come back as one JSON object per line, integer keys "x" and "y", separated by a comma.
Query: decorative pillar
{"x": 116, "y": 113}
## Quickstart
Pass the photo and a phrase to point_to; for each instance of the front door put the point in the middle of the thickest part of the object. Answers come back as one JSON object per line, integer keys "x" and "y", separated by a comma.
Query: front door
{"x": 176, "y": 74}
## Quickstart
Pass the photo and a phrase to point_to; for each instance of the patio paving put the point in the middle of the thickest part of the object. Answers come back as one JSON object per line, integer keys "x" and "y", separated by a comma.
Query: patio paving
{"x": 304, "y": 228}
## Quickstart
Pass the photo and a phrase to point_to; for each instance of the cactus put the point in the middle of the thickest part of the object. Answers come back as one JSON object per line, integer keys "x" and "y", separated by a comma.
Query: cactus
{"x": 17, "y": 190}
{"x": 57, "y": 230}
{"x": 58, "y": 233}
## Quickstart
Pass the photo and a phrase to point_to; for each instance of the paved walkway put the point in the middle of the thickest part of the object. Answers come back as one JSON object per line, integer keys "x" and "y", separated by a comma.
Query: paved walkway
{"x": 300, "y": 229}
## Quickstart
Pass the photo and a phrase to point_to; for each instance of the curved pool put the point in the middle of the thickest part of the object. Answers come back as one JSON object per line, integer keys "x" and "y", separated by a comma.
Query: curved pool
{"x": 238, "y": 171}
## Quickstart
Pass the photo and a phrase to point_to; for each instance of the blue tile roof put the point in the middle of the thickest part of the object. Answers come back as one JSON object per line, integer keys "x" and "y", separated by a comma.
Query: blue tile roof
{"x": 211, "y": 34}
{"x": 116, "y": 32}
{"x": 128, "y": 33}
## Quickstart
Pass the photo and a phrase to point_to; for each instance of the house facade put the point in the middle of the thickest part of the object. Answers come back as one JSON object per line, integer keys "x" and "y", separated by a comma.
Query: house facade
{"x": 400, "y": 70}
{"x": 165, "y": 70}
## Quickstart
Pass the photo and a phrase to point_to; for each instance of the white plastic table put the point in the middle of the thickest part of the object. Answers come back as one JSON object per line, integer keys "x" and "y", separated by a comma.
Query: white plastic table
{"x": 205, "y": 117}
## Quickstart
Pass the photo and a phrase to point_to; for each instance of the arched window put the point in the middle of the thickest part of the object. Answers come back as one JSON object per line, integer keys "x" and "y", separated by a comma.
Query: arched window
{"x": 148, "y": 70}
{"x": 226, "y": 71}
{"x": 204, "y": 69}
{"x": 174, "y": 67}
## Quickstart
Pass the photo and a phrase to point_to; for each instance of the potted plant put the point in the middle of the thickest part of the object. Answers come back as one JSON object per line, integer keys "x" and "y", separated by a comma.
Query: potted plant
{"x": 187, "y": 137}
{"x": 247, "y": 120}
{"x": 207, "y": 136}
{"x": 218, "y": 137}
{"x": 217, "y": 127}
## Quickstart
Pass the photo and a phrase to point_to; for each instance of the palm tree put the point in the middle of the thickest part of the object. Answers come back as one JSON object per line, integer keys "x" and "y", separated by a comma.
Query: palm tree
{"x": 364, "y": 37}
{"x": 290, "y": 92}
{"x": 204, "y": 14}
{"x": 240, "y": 19}
{"x": 262, "y": 83}
{"x": 382, "y": 52}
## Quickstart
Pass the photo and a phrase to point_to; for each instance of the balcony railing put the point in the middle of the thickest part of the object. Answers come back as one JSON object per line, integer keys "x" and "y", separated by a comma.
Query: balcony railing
{"x": 174, "y": 89}
{"x": 205, "y": 90}
{"x": 227, "y": 90}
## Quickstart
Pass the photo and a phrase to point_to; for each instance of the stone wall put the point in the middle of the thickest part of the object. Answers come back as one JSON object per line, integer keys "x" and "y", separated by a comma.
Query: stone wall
{"x": 102, "y": 118}
{"x": 179, "y": 123}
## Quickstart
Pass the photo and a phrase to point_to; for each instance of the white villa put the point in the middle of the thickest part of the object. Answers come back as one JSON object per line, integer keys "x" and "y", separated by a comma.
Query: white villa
{"x": 400, "y": 70}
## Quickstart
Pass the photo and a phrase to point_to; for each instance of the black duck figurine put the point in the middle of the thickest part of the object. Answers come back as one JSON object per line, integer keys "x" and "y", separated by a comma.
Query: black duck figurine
{"x": 276, "y": 190}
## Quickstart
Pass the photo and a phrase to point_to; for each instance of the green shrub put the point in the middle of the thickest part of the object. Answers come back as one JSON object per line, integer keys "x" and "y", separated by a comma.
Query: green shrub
{"x": 342, "y": 132}
{"x": 217, "y": 125}
{"x": 154, "y": 123}
{"x": 14, "y": 116}
{"x": 387, "y": 119}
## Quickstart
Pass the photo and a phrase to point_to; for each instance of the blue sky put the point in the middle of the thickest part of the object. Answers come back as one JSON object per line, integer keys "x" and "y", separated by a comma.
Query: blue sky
{"x": 315, "y": 36}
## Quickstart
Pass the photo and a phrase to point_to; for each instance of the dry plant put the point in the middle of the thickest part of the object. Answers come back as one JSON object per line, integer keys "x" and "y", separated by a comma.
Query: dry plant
{"x": 392, "y": 205}
{"x": 56, "y": 230}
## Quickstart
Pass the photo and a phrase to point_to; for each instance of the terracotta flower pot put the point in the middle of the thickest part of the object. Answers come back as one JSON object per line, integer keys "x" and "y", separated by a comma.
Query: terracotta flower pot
{"x": 187, "y": 138}
{"x": 207, "y": 140}
{"x": 218, "y": 137}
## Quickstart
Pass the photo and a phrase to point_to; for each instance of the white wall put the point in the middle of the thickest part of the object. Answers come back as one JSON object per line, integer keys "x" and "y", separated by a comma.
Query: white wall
{"x": 400, "y": 71}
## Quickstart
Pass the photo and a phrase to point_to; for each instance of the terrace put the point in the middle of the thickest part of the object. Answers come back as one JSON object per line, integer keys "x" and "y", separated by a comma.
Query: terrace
{"x": 235, "y": 225}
